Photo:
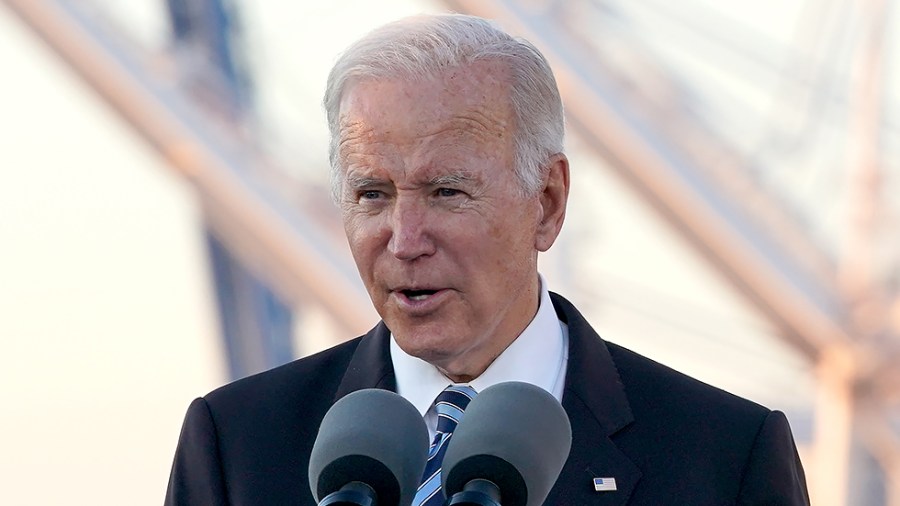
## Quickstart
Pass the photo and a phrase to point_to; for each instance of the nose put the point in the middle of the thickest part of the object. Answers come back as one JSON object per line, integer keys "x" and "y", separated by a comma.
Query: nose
{"x": 410, "y": 234}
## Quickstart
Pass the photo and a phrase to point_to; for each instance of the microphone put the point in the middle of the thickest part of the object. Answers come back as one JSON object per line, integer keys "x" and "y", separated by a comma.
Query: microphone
{"x": 509, "y": 448}
{"x": 371, "y": 449}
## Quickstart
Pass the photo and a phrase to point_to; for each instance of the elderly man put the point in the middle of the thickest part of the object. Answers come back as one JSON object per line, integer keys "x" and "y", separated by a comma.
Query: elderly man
{"x": 447, "y": 140}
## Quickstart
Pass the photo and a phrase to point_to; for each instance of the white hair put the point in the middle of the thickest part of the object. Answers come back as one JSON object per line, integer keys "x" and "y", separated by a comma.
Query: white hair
{"x": 424, "y": 46}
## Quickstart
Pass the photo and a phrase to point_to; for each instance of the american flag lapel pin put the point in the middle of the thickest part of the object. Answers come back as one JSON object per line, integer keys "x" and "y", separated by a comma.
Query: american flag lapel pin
{"x": 604, "y": 484}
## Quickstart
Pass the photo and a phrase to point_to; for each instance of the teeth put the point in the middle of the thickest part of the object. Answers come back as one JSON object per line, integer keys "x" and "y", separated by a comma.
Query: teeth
{"x": 418, "y": 297}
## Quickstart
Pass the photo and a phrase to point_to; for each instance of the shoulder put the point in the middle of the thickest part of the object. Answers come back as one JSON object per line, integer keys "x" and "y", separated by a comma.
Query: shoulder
{"x": 308, "y": 381}
{"x": 651, "y": 385}
{"x": 682, "y": 433}
{"x": 733, "y": 442}
{"x": 682, "y": 418}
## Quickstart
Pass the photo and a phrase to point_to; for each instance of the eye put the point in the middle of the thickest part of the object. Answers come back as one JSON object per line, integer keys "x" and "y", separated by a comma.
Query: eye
{"x": 369, "y": 195}
{"x": 447, "y": 192}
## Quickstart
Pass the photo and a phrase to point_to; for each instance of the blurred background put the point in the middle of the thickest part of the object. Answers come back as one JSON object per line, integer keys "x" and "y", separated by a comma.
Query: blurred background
{"x": 166, "y": 225}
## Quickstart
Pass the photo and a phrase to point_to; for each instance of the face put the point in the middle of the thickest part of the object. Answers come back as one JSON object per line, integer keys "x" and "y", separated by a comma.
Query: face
{"x": 442, "y": 235}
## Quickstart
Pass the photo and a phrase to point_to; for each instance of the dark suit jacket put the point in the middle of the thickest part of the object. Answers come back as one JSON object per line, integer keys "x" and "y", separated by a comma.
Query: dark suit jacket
{"x": 664, "y": 437}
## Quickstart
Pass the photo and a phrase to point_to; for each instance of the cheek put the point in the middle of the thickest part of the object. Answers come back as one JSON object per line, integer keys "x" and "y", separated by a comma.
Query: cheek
{"x": 363, "y": 247}
{"x": 361, "y": 230}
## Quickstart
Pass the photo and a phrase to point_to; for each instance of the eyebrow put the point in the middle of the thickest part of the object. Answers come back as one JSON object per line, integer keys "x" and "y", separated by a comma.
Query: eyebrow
{"x": 450, "y": 179}
{"x": 357, "y": 182}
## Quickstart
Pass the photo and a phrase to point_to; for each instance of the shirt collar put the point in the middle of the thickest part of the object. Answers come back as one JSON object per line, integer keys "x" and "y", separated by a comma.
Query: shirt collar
{"x": 537, "y": 356}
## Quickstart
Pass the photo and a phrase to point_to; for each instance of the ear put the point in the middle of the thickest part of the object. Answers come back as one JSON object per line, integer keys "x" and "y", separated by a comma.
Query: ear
{"x": 553, "y": 197}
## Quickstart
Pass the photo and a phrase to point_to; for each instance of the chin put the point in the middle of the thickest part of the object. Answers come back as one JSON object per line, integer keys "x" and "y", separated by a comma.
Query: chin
{"x": 426, "y": 346}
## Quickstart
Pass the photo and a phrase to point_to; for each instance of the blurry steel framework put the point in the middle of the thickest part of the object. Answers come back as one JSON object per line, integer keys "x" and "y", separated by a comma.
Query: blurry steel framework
{"x": 645, "y": 118}
{"x": 831, "y": 299}
{"x": 256, "y": 325}
{"x": 828, "y": 300}
{"x": 292, "y": 250}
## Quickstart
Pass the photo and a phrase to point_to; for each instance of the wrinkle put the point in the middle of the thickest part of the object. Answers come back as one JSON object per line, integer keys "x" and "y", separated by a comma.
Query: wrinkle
{"x": 487, "y": 123}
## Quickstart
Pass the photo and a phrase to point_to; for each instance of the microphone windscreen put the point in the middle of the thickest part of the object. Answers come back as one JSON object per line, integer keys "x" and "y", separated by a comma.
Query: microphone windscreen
{"x": 514, "y": 434}
{"x": 372, "y": 436}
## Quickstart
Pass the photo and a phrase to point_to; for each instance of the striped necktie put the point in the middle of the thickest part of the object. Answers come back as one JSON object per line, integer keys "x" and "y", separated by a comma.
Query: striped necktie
{"x": 449, "y": 405}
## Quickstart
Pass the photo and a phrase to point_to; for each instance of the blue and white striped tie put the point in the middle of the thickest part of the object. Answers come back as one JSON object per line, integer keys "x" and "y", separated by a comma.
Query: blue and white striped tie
{"x": 450, "y": 405}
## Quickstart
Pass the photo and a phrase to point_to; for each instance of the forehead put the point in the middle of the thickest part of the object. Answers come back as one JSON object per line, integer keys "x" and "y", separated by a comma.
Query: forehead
{"x": 468, "y": 100}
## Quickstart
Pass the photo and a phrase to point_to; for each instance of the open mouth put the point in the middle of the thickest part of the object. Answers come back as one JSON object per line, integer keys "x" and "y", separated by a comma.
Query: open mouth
{"x": 418, "y": 294}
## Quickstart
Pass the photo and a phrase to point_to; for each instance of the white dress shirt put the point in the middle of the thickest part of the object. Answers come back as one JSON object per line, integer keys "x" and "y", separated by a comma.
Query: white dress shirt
{"x": 538, "y": 356}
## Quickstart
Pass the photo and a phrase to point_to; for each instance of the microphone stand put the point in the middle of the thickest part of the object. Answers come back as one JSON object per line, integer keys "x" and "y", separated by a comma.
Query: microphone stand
{"x": 355, "y": 493}
{"x": 477, "y": 492}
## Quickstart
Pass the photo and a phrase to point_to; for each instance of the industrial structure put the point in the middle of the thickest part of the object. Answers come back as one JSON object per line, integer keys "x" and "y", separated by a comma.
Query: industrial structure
{"x": 777, "y": 162}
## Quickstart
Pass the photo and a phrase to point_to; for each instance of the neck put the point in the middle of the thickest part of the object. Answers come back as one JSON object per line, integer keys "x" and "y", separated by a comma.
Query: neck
{"x": 467, "y": 366}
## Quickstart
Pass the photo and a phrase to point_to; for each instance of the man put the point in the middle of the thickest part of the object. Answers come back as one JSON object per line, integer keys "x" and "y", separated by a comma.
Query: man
{"x": 447, "y": 159}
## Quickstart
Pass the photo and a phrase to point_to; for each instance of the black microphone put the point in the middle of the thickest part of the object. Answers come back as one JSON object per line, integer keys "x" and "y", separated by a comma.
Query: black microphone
{"x": 508, "y": 449}
{"x": 371, "y": 449}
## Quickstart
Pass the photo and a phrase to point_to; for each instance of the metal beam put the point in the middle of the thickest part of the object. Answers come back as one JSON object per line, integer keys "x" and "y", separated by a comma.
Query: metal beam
{"x": 289, "y": 250}
{"x": 256, "y": 325}
{"x": 757, "y": 256}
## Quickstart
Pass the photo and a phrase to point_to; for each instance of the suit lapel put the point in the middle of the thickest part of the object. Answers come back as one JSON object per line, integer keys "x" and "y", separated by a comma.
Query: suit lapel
{"x": 370, "y": 366}
{"x": 594, "y": 400}
{"x": 597, "y": 407}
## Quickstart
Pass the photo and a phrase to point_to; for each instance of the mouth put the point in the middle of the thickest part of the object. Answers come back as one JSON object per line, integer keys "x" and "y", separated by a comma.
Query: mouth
{"x": 419, "y": 301}
{"x": 417, "y": 294}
